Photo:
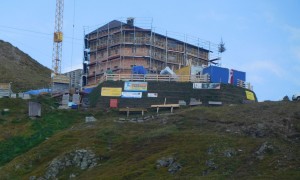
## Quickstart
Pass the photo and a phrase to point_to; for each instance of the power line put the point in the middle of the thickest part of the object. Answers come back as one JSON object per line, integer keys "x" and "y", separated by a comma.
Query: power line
{"x": 73, "y": 36}
{"x": 37, "y": 32}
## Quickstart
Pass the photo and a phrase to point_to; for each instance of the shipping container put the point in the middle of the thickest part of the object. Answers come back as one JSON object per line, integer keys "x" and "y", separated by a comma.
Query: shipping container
{"x": 217, "y": 74}
{"x": 139, "y": 70}
{"x": 238, "y": 75}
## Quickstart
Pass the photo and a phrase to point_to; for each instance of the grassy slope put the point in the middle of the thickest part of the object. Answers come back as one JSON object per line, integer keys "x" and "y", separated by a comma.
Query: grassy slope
{"x": 20, "y": 133}
{"x": 19, "y": 68}
{"x": 130, "y": 150}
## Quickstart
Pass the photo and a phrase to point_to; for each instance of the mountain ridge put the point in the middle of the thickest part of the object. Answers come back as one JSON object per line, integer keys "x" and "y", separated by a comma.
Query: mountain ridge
{"x": 24, "y": 72}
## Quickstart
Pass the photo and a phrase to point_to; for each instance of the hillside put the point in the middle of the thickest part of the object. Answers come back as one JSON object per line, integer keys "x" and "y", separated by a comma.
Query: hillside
{"x": 19, "y": 68}
{"x": 250, "y": 141}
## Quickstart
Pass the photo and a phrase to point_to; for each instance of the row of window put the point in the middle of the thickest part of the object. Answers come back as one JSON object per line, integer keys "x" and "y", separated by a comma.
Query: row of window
{"x": 156, "y": 54}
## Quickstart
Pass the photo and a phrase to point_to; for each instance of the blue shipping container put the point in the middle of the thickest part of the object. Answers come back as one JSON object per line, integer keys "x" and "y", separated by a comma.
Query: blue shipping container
{"x": 139, "y": 70}
{"x": 238, "y": 75}
{"x": 217, "y": 74}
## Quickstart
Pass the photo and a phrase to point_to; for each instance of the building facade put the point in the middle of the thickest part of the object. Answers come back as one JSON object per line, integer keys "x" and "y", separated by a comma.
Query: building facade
{"x": 117, "y": 46}
{"x": 75, "y": 78}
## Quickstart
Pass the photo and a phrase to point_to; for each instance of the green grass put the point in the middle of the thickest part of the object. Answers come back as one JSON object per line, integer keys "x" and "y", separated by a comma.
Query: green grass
{"x": 32, "y": 132}
{"x": 41, "y": 129}
{"x": 130, "y": 150}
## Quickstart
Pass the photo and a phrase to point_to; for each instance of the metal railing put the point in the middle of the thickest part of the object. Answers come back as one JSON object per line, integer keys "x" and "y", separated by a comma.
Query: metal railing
{"x": 155, "y": 77}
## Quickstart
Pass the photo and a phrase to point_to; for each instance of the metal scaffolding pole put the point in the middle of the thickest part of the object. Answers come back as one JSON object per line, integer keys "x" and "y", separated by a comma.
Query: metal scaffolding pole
{"x": 198, "y": 53}
{"x": 121, "y": 46}
{"x": 107, "y": 47}
{"x": 134, "y": 45}
{"x": 184, "y": 51}
{"x": 96, "y": 55}
{"x": 166, "y": 46}
{"x": 150, "y": 53}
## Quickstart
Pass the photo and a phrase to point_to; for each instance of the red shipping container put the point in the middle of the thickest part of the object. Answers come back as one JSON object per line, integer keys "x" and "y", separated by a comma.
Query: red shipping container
{"x": 113, "y": 103}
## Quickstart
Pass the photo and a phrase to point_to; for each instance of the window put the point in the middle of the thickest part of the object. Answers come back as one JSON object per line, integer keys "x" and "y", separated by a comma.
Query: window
{"x": 133, "y": 49}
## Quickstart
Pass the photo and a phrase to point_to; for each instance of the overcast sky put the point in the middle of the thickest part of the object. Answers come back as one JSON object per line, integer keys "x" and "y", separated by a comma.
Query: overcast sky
{"x": 262, "y": 37}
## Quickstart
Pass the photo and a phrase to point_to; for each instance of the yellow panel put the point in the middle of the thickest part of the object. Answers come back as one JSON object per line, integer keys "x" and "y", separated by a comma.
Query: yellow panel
{"x": 184, "y": 73}
{"x": 107, "y": 91}
{"x": 58, "y": 37}
{"x": 4, "y": 85}
{"x": 61, "y": 79}
{"x": 250, "y": 95}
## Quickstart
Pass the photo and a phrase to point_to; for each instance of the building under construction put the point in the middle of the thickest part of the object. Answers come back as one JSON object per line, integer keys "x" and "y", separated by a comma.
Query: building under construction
{"x": 118, "y": 46}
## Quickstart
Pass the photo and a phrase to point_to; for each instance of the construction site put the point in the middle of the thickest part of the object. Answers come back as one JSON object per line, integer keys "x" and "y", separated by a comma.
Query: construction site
{"x": 160, "y": 70}
{"x": 117, "y": 47}
{"x": 130, "y": 63}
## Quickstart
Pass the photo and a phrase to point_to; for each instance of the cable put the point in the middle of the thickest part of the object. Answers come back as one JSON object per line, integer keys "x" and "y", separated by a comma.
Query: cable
{"x": 36, "y": 32}
{"x": 73, "y": 36}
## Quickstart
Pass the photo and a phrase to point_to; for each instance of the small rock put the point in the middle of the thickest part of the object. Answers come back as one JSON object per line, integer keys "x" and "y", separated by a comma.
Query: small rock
{"x": 174, "y": 167}
{"x": 210, "y": 151}
{"x": 17, "y": 166}
{"x": 72, "y": 176}
{"x": 210, "y": 163}
{"x": 147, "y": 118}
{"x": 260, "y": 126}
{"x": 162, "y": 163}
{"x": 32, "y": 178}
{"x": 140, "y": 120}
{"x": 90, "y": 119}
{"x": 122, "y": 119}
{"x": 205, "y": 172}
{"x": 264, "y": 148}
{"x": 229, "y": 153}
{"x": 261, "y": 157}
{"x": 171, "y": 163}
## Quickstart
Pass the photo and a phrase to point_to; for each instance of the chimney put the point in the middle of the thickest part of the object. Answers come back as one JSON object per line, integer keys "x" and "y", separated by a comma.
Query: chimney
{"x": 130, "y": 21}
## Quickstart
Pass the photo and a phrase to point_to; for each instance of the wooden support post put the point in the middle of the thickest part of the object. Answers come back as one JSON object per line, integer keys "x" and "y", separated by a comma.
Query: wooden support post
{"x": 171, "y": 109}
{"x": 127, "y": 111}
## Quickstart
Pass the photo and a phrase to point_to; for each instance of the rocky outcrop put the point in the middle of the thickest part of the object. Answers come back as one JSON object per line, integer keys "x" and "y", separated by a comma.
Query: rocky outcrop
{"x": 169, "y": 163}
{"x": 82, "y": 158}
{"x": 265, "y": 148}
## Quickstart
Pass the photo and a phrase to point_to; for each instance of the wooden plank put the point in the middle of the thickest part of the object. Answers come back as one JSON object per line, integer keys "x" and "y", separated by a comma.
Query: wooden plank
{"x": 172, "y": 106}
{"x": 128, "y": 110}
{"x": 132, "y": 109}
{"x": 165, "y": 105}
{"x": 214, "y": 102}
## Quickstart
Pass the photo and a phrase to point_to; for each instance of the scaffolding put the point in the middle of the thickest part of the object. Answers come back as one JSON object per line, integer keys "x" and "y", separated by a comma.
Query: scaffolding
{"x": 121, "y": 44}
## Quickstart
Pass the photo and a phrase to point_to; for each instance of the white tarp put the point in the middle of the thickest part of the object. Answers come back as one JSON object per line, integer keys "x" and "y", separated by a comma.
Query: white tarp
{"x": 167, "y": 71}
{"x": 131, "y": 95}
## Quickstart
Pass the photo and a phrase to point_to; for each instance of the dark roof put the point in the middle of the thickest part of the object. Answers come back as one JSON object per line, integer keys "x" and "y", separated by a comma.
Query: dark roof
{"x": 115, "y": 23}
{"x": 110, "y": 25}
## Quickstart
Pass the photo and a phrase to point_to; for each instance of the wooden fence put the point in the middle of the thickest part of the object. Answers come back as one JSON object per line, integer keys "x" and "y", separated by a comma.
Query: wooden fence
{"x": 155, "y": 77}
